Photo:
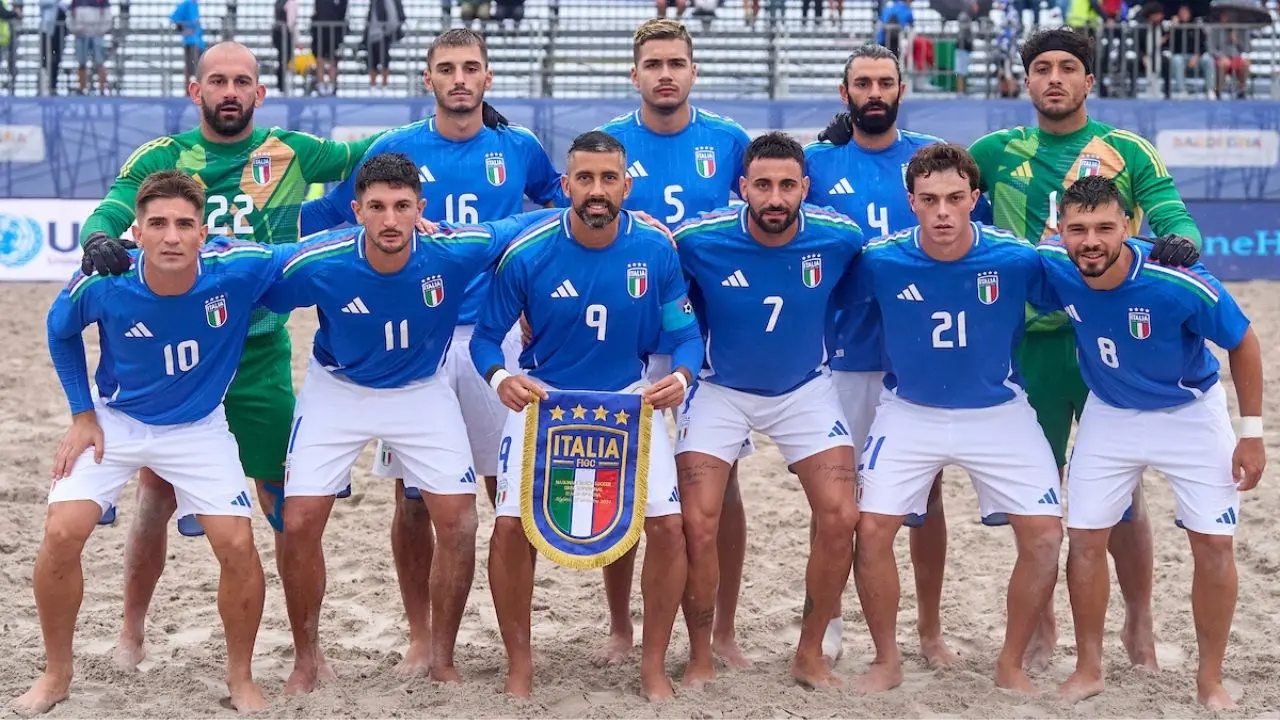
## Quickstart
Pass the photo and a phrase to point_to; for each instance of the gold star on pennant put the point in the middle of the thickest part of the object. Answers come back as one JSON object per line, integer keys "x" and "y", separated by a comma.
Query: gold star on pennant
{"x": 601, "y": 413}
{"x": 557, "y": 413}
{"x": 621, "y": 417}
{"x": 579, "y": 413}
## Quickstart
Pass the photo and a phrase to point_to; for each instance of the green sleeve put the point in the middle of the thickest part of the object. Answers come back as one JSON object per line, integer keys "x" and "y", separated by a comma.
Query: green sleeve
{"x": 327, "y": 160}
{"x": 986, "y": 153}
{"x": 1154, "y": 192}
{"x": 114, "y": 214}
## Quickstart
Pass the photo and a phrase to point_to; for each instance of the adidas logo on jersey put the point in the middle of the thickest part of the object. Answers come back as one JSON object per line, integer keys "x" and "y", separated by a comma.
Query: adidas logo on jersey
{"x": 424, "y": 174}
{"x": 356, "y": 307}
{"x": 1050, "y": 498}
{"x": 1023, "y": 171}
{"x": 636, "y": 170}
{"x": 1227, "y": 518}
{"x": 737, "y": 279}
{"x": 911, "y": 294}
{"x": 139, "y": 330}
{"x": 242, "y": 500}
{"x": 841, "y": 188}
{"x": 1073, "y": 313}
{"x": 566, "y": 290}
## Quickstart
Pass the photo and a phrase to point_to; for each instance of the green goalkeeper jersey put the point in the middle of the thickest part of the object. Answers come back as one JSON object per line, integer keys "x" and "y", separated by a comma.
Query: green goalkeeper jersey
{"x": 1024, "y": 171}
{"x": 254, "y": 188}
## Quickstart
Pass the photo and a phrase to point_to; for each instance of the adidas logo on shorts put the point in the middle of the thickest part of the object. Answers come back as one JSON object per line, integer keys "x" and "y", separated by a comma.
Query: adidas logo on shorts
{"x": 242, "y": 500}
{"x": 1050, "y": 498}
{"x": 1227, "y": 518}
{"x": 838, "y": 430}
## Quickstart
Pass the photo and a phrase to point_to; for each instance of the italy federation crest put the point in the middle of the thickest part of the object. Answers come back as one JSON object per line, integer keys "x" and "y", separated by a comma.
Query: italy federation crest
{"x": 261, "y": 167}
{"x": 586, "y": 470}
{"x": 637, "y": 279}
{"x": 433, "y": 290}
{"x": 215, "y": 311}
{"x": 988, "y": 287}
{"x": 1140, "y": 323}
{"x": 705, "y": 159}
{"x": 1089, "y": 165}
{"x": 811, "y": 270}
{"x": 495, "y": 169}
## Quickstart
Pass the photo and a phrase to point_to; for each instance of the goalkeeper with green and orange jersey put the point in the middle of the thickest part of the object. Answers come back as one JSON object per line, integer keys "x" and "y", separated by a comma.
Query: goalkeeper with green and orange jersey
{"x": 255, "y": 181}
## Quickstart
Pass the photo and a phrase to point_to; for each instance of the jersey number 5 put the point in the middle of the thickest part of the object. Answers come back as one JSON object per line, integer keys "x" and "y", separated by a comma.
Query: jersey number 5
{"x": 185, "y": 357}
{"x": 598, "y": 318}
{"x": 677, "y": 207}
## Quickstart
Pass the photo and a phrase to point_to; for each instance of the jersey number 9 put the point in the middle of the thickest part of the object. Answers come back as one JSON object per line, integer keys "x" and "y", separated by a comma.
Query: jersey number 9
{"x": 185, "y": 357}
{"x": 598, "y": 318}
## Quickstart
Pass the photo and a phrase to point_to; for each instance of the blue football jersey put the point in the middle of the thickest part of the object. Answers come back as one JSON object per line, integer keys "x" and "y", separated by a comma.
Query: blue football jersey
{"x": 762, "y": 309}
{"x": 950, "y": 328}
{"x": 482, "y": 179}
{"x": 677, "y": 176}
{"x": 596, "y": 314}
{"x": 170, "y": 358}
{"x": 869, "y": 186}
{"x": 1141, "y": 345}
{"x": 389, "y": 330}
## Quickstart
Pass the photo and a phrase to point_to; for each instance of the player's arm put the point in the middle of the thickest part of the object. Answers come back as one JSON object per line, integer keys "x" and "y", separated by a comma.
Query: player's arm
{"x": 542, "y": 185}
{"x": 503, "y": 232}
{"x": 1040, "y": 293}
{"x": 1156, "y": 195}
{"x": 328, "y": 160}
{"x": 104, "y": 251}
{"x": 68, "y": 317}
{"x": 681, "y": 327}
{"x": 287, "y": 281}
{"x": 502, "y": 308}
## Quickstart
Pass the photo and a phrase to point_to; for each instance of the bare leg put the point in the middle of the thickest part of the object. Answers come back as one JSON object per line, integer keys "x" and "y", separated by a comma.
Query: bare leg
{"x": 412, "y": 545}
{"x": 58, "y": 581}
{"x": 1131, "y": 547}
{"x": 1044, "y": 640}
{"x": 1213, "y": 604}
{"x": 702, "y": 479}
{"x": 511, "y": 582}
{"x": 491, "y": 489}
{"x": 875, "y": 573}
{"x": 662, "y": 583}
{"x": 304, "y": 583}
{"x": 267, "y": 494}
{"x": 1089, "y": 586}
{"x": 929, "y": 562}
{"x": 241, "y": 593}
{"x": 144, "y": 556}
{"x": 731, "y": 545}
{"x": 454, "y": 519}
{"x": 617, "y": 591}
{"x": 1035, "y": 574}
{"x": 828, "y": 479}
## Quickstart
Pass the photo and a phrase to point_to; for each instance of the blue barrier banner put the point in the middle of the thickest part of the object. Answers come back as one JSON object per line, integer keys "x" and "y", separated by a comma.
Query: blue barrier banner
{"x": 1241, "y": 239}
{"x": 72, "y": 147}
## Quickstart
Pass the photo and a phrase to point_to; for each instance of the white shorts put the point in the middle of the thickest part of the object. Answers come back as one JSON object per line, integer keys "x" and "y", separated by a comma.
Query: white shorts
{"x": 1191, "y": 445}
{"x": 859, "y": 394}
{"x": 1002, "y": 448}
{"x": 200, "y": 460}
{"x": 659, "y": 368}
{"x": 335, "y": 419}
{"x": 663, "y": 498}
{"x": 802, "y": 423}
{"x": 482, "y": 412}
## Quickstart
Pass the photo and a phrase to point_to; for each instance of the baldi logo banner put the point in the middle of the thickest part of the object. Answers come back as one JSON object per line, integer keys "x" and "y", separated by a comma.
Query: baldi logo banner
{"x": 586, "y": 471}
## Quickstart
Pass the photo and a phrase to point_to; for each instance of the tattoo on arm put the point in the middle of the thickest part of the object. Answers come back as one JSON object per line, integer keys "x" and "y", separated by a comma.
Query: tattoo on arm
{"x": 808, "y": 607}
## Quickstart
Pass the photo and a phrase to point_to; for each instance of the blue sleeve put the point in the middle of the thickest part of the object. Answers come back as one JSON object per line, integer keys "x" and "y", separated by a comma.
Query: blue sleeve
{"x": 334, "y": 209}
{"x": 1040, "y": 292}
{"x": 543, "y": 183}
{"x": 503, "y": 232}
{"x": 282, "y": 292}
{"x": 1222, "y": 322}
{"x": 501, "y": 310}
{"x": 679, "y": 325}
{"x": 739, "y": 154}
{"x": 66, "y": 321}
{"x": 984, "y": 214}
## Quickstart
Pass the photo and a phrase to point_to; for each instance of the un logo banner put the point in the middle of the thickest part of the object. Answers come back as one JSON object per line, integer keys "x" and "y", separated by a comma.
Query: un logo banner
{"x": 586, "y": 471}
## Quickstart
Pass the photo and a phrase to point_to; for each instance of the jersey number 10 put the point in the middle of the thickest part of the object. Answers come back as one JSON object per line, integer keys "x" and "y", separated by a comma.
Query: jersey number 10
{"x": 185, "y": 357}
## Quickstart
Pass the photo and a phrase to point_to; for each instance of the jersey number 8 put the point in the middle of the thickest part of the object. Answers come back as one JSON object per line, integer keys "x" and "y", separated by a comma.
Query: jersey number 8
{"x": 1107, "y": 352}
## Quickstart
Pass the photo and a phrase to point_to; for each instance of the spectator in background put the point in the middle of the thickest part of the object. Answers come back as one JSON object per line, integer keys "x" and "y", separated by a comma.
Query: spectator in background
{"x": 512, "y": 10}
{"x": 894, "y": 20}
{"x": 90, "y": 22}
{"x": 806, "y": 6}
{"x": 473, "y": 9}
{"x": 328, "y": 28}
{"x": 680, "y": 7}
{"x": 9, "y": 17}
{"x": 53, "y": 38}
{"x": 187, "y": 17}
{"x": 284, "y": 37}
{"x": 965, "y": 29}
{"x": 837, "y": 13}
{"x": 385, "y": 27}
{"x": 1006, "y": 58}
{"x": 1229, "y": 46}
{"x": 1188, "y": 50}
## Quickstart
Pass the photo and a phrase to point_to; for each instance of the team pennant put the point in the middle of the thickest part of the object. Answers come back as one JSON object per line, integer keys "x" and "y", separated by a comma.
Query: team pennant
{"x": 586, "y": 471}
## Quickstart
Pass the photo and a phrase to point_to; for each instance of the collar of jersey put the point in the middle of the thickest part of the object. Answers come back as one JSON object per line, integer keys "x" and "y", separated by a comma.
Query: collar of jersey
{"x": 138, "y": 264}
{"x": 360, "y": 253}
{"x": 624, "y": 227}
{"x": 977, "y": 240}
{"x": 1138, "y": 261}
{"x": 897, "y": 142}
{"x": 693, "y": 119}
{"x": 746, "y": 229}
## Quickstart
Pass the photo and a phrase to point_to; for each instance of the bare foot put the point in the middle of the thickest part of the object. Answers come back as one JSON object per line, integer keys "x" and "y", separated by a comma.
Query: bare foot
{"x": 656, "y": 688}
{"x": 1214, "y": 696}
{"x": 445, "y": 674}
{"x": 614, "y": 651}
{"x": 1014, "y": 678}
{"x": 43, "y": 695}
{"x": 879, "y": 677}
{"x": 937, "y": 654}
{"x": 129, "y": 652}
{"x": 729, "y": 652}
{"x": 246, "y": 697}
{"x": 1039, "y": 653}
{"x": 416, "y": 661}
{"x": 833, "y": 641}
{"x": 1139, "y": 639}
{"x": 1080, "y": 687}
{"x": 519, "y": 680}
{"x": 698, "y": 673}
{"x": 813, "y": 672}
{"x": 303, "y": 679}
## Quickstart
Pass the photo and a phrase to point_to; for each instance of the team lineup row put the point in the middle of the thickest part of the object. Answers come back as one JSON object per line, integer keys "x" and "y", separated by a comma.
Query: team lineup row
{"x": 712, "y": 428}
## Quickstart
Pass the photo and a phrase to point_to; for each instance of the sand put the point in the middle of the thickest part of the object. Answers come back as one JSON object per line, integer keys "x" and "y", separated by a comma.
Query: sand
{"x": 363, "y": 629}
